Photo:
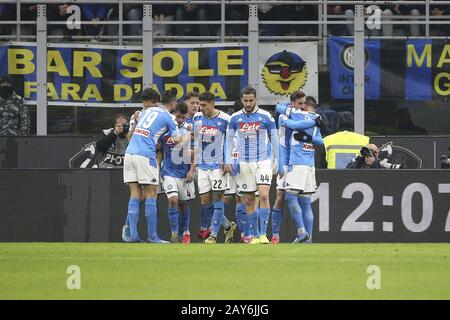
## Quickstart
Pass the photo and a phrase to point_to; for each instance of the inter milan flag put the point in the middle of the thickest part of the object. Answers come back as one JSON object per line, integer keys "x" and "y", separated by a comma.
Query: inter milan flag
{"x": 414, "y": 69}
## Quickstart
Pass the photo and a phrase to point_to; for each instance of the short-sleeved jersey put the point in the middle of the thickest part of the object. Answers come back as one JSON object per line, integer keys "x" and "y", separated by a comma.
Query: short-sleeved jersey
{"x": 176, "y": 162}
{"x": 298, "y": 152}
{"x": 252, "y": 132}
{"x": 153, "y": 123}
{"x": 209, "y": 139}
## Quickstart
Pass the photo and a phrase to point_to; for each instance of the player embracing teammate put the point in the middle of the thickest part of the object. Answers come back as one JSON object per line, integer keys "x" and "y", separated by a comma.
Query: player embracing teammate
{"x": 205, "y": 144}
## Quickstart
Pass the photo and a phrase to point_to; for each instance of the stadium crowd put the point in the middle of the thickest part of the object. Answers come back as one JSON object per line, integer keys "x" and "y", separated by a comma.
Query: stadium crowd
{"x": 205, "y": 12}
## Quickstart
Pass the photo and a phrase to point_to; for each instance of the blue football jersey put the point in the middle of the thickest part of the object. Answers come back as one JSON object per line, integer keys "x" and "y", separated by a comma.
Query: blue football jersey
{"x": 153, "y": 123}
{"x": 176, "y": 161}
{"x": 298, "y": 152}
{"x": 255, "y": 133}
{"x": 209, "y": 139}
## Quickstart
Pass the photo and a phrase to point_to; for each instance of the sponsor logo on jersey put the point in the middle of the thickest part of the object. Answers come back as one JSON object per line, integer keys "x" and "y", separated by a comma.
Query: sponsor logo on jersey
{"x": 169, "y": 141}
{"x": 142, "y": 132}
{"x": 249, "y": 126}
{"x": 308, "y": 147}
{"x": 208, "y": 130}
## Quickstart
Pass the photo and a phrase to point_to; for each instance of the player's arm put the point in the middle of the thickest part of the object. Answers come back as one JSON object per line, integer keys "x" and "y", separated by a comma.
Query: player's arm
{"x": 191, "y": 173}
{"x": 274, "y": 139}
{"x": 133, "y": 122}
{"x": 159, "y": 152}
{"x": 317, "y": 139}
{"x": 297, "y": 124}
{"x": 282, "y": 108}
{"x": 229, "y": 138}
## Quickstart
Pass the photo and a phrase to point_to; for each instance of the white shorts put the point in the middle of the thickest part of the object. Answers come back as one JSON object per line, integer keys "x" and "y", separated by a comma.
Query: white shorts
{"x": 281, "y": 183}
{"x": 301, "y": 179}
{"x": 211, "y": 180}
{"x": 137, "y": 168}
{"x": 252, "y": 174}
{"x": 231, "y": 186}
{"x": 178, "y": 187}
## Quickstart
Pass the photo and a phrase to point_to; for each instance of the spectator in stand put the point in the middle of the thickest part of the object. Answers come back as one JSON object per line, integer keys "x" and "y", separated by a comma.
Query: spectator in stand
{"x": 163, "y": 13}
{"x": 192, "y": 12}
{"x": 299, "y": 12}
{"x": 439, "y": 10}
{"x": 131, "y": 12}
{"x": 386, "y": 12}
{"x": 406, "y": 10}
{"x": 240, "y": 13}
{"x": 55, "y": 12}
{"x": 6, "y": 12}
{"x": 339, "y": 10}
{"x": 94, "y": 12}
{"x": 268, "y": 12}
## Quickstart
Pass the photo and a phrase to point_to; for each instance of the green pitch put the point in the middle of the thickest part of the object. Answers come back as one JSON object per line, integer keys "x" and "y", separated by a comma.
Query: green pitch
{"x": 198, "y": 271}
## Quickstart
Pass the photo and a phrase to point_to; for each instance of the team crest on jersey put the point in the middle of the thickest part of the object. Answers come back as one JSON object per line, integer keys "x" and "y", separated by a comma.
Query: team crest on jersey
{"x": 142, "y": 132}
{"x": 284, "y": 73}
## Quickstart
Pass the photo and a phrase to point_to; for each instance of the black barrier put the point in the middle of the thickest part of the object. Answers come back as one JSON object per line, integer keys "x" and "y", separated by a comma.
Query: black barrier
{"x": 55, "y": 151}
{"x": 39, "y": 152}
{"x": 350, "y": 206}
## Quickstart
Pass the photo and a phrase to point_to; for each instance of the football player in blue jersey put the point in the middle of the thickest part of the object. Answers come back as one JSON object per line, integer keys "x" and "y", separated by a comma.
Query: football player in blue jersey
{"x": 257, "y": 138}
{"x": 175, "y": 169}
{"x": 140, "y": 168}
{"x": 210, "y": 127}
{"x": 297, "y": 101}
{"x": 301, "y": 136}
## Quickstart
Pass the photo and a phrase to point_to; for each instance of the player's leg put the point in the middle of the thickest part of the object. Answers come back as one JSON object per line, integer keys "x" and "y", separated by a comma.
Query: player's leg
{"x": 148, "y": 177}
{"x": 186, "y": 192}
{"x": 247, "y": 187}
{"x": 263, "y": 177}
{"x": 251, "y": 228}
{"x": 308, "y": 218}
{"x": 264, "y": 212}
{"x": 277, "y": 216}
{"x": 305, "y": 202}
{"x": 241, "y": 217}
{"x": 151, "y": 213}
{"x": 216, "y": 222}
{"x": 204, "y": 189}
{"x": 171, "y": 189}
{"x": 130, "y": 178}
{"x": 185, "y": 215}
{"x": 133, "y": 211}
{"x": 296, "y": 181}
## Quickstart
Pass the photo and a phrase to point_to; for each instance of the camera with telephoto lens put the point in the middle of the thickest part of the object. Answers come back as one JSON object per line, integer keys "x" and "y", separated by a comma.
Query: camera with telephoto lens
{"x": 445, "y": 160}
{"x": 126, "y": 129}
{"x": 366, "y": 152}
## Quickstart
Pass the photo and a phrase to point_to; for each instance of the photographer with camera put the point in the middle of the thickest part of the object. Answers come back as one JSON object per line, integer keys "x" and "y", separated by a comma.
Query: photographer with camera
{"x": 114, "y": 143}
{"x": 445, "y": 160}
{"x": 367, "y": 159}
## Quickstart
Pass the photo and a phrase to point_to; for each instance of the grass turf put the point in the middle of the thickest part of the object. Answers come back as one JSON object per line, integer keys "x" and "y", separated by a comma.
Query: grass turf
{"x": 198, "y": 271}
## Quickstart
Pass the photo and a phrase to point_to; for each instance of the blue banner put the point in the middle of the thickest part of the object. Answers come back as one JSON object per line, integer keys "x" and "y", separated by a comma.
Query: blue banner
{"x": 341, "y": 60}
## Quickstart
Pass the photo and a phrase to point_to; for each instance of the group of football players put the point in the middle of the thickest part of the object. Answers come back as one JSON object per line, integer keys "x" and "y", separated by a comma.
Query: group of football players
{"x": 176, "y": 144}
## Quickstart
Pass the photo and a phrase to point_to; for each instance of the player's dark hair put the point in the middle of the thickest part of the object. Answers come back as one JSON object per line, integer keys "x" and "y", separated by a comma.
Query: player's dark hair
{"x": 191, "y": 94}
{"x": 238, "y": 105}
{"x": 247, "y": 91}
{"x": 297, "y": 95}
{"x": 182, "y": 108}
{"x": 310, "y": 101}
{"x": 169, "y": 96}
{"x": 150, "y": 94}
{"x": 207, "y": 96}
